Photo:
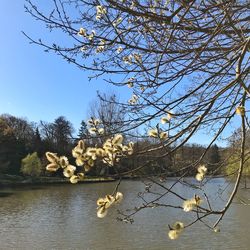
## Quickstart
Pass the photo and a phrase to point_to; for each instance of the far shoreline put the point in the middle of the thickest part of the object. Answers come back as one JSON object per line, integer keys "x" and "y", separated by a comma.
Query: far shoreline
{"x": 17, "y": 180}
{"x": 7, "y": 180}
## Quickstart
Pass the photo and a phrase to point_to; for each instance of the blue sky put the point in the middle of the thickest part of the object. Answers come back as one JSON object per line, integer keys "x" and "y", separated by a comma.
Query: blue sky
{"x": 35, "y": 84}
{"x": 42, "y": 86}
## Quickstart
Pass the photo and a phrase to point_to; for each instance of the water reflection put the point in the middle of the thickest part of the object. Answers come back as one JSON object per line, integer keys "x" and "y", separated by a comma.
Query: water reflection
{"x": 64, "y": 217}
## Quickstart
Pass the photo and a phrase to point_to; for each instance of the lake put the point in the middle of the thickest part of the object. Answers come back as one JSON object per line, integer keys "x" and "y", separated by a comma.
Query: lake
{"x": 64, "y": 217}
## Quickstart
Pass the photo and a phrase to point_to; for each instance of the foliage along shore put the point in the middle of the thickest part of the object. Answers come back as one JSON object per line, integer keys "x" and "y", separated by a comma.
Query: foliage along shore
{"x": 9, "y": 180}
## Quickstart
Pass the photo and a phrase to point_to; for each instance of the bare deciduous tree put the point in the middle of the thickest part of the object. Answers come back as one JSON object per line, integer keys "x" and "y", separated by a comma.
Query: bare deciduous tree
{"x": 106, "y": 108}
{"x": 58, "y": 134}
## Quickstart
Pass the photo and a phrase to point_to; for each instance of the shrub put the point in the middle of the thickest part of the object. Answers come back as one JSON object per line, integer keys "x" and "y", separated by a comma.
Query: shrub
{"x": 31, "y": 165}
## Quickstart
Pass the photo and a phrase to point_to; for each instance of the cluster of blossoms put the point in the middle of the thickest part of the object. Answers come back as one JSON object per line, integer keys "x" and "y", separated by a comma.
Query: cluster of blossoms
{"x": 114, "y": 149}
{"x": 95, "y": 126}
{"x": 100, "y": 11}
{"x": 137, "y": 58}
{"x": 189, "y": 205}
{"x": 56, "y": 162}
{"x": 91, "y": 35}
{"x": 156, "y": 133}
{"x": 202, "y": 170}
{"x": 117, "y": 22}
{"x": 83, "y": 32}
{"x": 130, "y": 82}
{"x": 101, "y": 46}
{"x": 133, "y": 5}
{"x": 106, "y": 202}
{"x": 133, "y": 100}
{"x": 128, "y": 59}
{"x": 110, "y": 153}
{"x": 83, "y": 48}
{"x": 175, "y": 230}
{"x": 167, "y": 118}
{"x": 85, "y": 156}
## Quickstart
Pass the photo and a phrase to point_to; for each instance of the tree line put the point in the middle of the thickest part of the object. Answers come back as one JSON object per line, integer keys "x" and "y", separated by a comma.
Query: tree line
{"x": 24, "y": 141}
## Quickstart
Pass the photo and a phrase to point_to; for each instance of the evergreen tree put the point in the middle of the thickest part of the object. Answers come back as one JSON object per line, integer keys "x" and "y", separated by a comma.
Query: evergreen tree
{"x": 83, "y": 131}
{"x": 62, "y": 130}
{"x": 213, "y": 158}
{"x": 38, "y": 143}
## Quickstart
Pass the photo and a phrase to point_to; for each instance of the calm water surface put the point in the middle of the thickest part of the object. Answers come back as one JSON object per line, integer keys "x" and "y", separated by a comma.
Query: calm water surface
{"x": 64, "y": 217}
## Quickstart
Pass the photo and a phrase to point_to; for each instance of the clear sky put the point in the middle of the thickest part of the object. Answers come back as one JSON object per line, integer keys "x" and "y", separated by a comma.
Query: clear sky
{"x": 35, "y": 84}
{"x": 42, "y": 86}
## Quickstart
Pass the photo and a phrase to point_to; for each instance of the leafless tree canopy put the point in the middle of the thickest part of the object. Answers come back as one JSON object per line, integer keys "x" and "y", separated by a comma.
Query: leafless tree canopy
{"x": 188, "y": 60}
{"x": 106, "y": 108}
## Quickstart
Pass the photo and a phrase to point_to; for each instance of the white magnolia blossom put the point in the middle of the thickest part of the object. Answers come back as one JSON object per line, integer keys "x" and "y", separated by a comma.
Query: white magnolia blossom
{"x": 119, "y": 49}
{"x": 202, "y": 170}
{"x": 133, "y": 99}
{"x": 52, "y": 157}
{"x": 118, "y": 197}
{"x": 101, "y": 46}
{"x": 117, "y": 140}
{"x": 240, "y": 110}
{"x": 153, "y": 133}
{"x": 55, "y": 162}
{"x": 101, "y": 131}
{"x": 189, "y": 205}
{"x": 142, "y": 88}
{"x": 138, "y": 58}
{"x": 52, "y": 167}
{"x": 130, "y": 82}
{"x": 69, "y": 171}
{"x": 170, "y": 115}
{"x": 100, "y": 11}
{"x": 83, "y": 48}
{"x": 74, "y": 179}
{"x": 164, "y": 120}
{"x": 176, "y": 230}
{"x": 173, "y": 234}
{"x": 91, "y": 35}
{"x": 101, "y": 212}
{"x": 117, "y": 21}
{"x": 128, "y": 59}
{"x": 199, "y": 177}
{"x": 93, "y": 130}
{"x": 163, "y": 135}
{"x": 64, "y": 162}
{"x": 105, "y": 203}
{"x": 82, "y": 32}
